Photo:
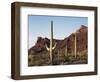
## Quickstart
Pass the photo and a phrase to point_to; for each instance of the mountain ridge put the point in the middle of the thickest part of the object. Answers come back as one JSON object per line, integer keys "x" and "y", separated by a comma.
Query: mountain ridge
{"x": 41, "y": 42}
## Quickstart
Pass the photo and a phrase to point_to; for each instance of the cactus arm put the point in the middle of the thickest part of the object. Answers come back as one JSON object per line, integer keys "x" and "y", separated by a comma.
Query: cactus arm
{"x": 48, "y": 49}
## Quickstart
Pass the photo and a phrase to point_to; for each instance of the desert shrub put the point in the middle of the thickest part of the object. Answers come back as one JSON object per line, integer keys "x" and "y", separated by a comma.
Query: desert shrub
{"x": 66, "y": 59}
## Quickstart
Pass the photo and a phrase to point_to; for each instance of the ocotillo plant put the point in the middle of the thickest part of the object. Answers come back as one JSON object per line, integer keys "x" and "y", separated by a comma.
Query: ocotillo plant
{"x": 51, "y": 43}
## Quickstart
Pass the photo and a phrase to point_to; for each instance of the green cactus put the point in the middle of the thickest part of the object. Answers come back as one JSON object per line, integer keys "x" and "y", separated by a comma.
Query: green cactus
{"x": 51, "y": 43}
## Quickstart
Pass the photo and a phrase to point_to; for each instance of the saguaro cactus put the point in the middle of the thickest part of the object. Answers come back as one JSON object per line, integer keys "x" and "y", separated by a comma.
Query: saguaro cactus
{"x": 51, "y": 43}
{"x": 66, "y": 51}
{"x": 75, "y": 46}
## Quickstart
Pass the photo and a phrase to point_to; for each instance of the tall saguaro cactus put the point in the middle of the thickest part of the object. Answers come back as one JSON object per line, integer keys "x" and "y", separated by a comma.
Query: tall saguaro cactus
{"x": 51, "y": 43}
{"x": 75, "y": 46}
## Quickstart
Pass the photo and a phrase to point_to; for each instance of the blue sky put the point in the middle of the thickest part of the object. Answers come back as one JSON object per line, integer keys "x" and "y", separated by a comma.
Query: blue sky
{"x": 63, "y": 26}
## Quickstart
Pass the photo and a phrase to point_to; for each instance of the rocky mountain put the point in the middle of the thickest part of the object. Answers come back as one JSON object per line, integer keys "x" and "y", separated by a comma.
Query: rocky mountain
{"x": 81, "y": 40}
{"x": 64, "y": 52}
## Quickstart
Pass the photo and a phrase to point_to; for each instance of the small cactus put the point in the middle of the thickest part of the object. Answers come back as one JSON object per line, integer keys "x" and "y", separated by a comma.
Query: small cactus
{"x": 31, "y": 58}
